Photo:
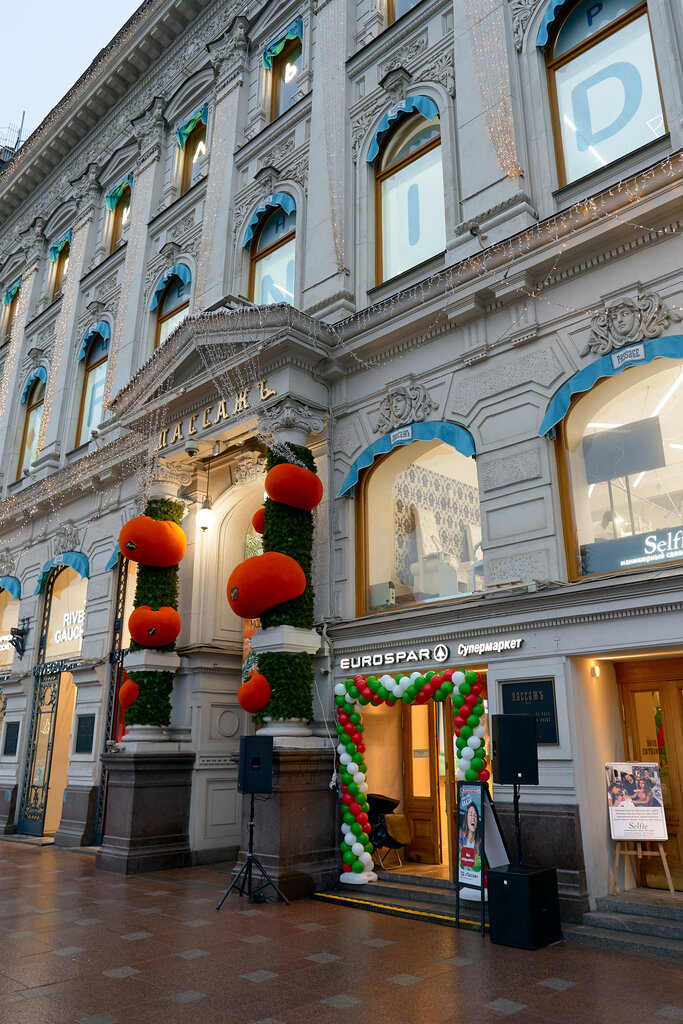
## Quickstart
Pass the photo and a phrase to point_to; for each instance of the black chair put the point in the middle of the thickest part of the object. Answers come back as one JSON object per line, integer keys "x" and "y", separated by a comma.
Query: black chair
{"x": 389, "y": 831}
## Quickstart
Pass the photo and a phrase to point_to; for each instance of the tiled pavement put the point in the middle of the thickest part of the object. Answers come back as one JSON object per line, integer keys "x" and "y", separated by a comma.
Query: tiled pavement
{"x": 79, "y": 946}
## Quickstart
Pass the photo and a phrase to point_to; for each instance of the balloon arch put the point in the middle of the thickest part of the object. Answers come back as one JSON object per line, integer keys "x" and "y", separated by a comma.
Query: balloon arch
{"x": 356, "y": 848}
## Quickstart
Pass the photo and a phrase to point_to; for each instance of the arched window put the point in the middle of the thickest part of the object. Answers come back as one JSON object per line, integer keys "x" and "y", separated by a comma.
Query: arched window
{"x": 33, "y": 397}
{"x": 397, "y": 8}
{"x": 171, "y": 301}
{"x": 9, "y": 307}
{"x": 271, "y": 264}
{"x": 61, "y": 269}
{"x": 9, "y": 619}
{"x": 121, "y": 212}
{"x": 409, "y": 200}
{"x": 94, "y": 351}
{"x": 283, "y": 59}
{"x": 194, "y": 150}
{"x": 623, "y": 463}
{"x": 603, "y": 83}
{"x": 420, "y": 527}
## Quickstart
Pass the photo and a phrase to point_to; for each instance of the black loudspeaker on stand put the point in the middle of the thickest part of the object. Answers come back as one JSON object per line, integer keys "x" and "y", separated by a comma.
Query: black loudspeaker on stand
{"x": 515, "y": 759}
{"x": 255, "y": 775}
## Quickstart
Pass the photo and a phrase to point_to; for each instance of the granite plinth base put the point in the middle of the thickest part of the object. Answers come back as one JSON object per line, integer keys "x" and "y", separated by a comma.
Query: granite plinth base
{"x": 148, "y": 812}
{"x": 295, "y": 826}
{"x": 77, "y": 827}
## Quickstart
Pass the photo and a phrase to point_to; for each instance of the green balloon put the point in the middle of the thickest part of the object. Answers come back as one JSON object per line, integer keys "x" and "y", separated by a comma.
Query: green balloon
{"x": 348, "y": 709}
{"x": 458, "y": 699}
{"x": 354, "y": 692}
{"x": 471, "y": 775}
{"x": 465, "y": 733}
{"x": 360, "y": 727}
{"x": 349, "y": 818}
{"x": 353, "y": 788}
{"x": 348, "y": 857}
{"x": 406, "y": 698}
{"x": 420, "y": 682}
{"x": 448, "y": 687}
{"x": 357, "y": 829}
{"x": 363, "y": 700}
{"x": 440, "y": 696}
{"x": 473, "y": 721}
{"x": 428, "y": 675}
{"x": 476, "y": 764}
{"x": 460, "y": 743}
{"x": 340, "y": 701}
{"x": 465, "y": 688}
{"x": 480, "y": 752}
{"x": 351, "y": 748}
{"x": 355, "y": 717}
{"x": 382, "y": 692}
{"x": 478, "y": 710}
{"x": 471, "y": 678}
{"x": 373, "y": 682}
{"x": 346, "y": 778}
{"x": 357, "y": 868}
{"x": 367, "y": 843}
{"x": 412, "y": 691}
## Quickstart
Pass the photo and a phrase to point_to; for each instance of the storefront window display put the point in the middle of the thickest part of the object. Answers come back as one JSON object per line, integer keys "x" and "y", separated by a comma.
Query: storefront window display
{"x": 623, "y": 444}
{"x": 67, "y": 616}
{"x": 9, "y": 619}
{"x": 422, "y": 527}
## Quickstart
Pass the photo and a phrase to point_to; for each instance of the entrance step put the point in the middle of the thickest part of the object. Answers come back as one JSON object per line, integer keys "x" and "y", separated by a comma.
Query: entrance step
{"x": 640, "y": 921}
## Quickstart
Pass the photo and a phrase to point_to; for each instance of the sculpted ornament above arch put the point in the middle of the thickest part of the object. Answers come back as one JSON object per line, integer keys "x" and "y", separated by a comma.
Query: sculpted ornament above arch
{"x": 521, "y": 11}
{"x": 629, "y": 321}
{"x": 409, "y": 403}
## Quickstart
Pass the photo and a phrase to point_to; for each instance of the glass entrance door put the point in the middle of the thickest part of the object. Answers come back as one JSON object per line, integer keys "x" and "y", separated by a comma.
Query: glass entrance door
{"x": 652, "y": 700}
{"x": 34, "y": 799}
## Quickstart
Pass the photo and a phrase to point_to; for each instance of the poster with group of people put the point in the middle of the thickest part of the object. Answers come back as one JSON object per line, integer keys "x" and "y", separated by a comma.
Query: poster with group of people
{"x": 634, "y": 799}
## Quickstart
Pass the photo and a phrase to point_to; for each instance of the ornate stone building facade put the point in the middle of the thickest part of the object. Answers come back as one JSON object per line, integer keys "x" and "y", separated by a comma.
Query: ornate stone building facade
{"x": 424, "y": 237}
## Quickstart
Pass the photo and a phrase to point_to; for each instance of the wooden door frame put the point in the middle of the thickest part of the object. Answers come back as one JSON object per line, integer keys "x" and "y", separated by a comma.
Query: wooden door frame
{"x": 406, "y": 723}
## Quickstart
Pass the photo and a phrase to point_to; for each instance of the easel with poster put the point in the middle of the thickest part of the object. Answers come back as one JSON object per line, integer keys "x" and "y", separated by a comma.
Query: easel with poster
{"x": 480, "y": 843}
{"x": 636, "y": 814}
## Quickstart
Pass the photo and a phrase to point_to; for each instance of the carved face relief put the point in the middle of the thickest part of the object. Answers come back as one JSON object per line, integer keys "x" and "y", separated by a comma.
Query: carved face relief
{"x": 625, "y": 322}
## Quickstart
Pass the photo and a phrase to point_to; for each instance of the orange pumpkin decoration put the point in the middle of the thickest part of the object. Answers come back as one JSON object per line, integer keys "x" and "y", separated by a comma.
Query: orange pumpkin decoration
{"x": 151, "y": 627}
{"x": 261, "y": 582}
{"x": 258, "y": 520}
{"x": 254, "y": 694}
{"x": 158, "y": 542}
{"x": 294, "y": 485}
{"x": 129, "y": 691}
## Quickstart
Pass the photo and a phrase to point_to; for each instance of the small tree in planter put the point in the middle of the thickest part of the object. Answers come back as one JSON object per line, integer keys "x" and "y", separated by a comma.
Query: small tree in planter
{"x": 156, "y": 597}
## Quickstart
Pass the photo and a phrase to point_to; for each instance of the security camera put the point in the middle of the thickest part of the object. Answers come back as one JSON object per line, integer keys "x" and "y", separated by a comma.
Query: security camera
{"x": 191, "y": 447}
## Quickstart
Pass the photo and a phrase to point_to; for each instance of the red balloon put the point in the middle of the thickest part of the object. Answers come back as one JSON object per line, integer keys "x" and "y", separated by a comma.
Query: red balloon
{"x": 458, "y": 722}
{"x": 377, "y": 701}
{"x": 346, "y": 867}
{"x": 360, "y": 747}
{"x": 359, "y": 681}
{"x": 354, "y": 807}
{"x": 390, "y": 703}
{"x": 348, "y": 799}
{"x": 471, "y": 699}
{"x": 349, "y": 728}
{"x": 476, "y": 688}
{"x": 484, "y": 775}
{"x": 362, "y": 818}
{"x": 343, "y": 718}
{"x": 428, "y": 690}
{"x": 448, "y": 674}
{"x": 357, "y": 738}
{"x": 436, "y": 682}
{"x": 367, "y": 829}
{"x": 421, "y": 698}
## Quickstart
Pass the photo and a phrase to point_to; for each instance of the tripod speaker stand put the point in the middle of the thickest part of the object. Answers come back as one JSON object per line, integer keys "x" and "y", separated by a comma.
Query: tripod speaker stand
{"x": 255, "y": 776}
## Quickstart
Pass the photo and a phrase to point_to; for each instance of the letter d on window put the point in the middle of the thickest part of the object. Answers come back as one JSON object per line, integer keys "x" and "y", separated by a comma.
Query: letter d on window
{"x": 629, "y": 77}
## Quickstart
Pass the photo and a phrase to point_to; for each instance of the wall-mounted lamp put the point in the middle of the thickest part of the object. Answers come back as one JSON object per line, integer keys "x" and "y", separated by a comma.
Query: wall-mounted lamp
{"x": 18, "y": 637}
{"x": 206, "y": 516}
{"x": 595, "y": 671}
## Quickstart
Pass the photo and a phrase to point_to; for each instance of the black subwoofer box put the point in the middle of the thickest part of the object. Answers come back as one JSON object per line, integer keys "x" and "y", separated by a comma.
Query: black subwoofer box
{"x": 524, "y": 909}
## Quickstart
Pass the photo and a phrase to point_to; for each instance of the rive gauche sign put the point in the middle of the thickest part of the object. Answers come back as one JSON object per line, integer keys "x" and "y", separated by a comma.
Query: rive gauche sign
{"x": 438, "y": 653}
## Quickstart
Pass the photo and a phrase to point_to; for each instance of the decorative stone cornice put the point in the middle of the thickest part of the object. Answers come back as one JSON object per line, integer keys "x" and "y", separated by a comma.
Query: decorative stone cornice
{"x": 249, "y": 466}
{"x": 408, "y": 403}
{"x": 290, "y": 420}
{"x": 629, "y": 321}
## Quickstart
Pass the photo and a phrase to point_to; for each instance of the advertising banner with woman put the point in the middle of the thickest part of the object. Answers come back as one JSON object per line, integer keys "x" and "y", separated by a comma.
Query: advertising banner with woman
{"x": 634, "y": 799}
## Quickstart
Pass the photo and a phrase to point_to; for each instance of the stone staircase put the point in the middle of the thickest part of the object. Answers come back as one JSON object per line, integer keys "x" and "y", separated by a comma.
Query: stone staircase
{"x": 410, "y": 896}
{"x": 642, "y": 921}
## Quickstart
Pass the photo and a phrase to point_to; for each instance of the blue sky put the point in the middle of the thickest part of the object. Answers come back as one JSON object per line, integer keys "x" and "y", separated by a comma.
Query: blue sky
{"x": 46, "y": 48}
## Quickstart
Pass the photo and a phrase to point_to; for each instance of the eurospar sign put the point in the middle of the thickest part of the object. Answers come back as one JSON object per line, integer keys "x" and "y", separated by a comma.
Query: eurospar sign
{"x": 439, "y": 653}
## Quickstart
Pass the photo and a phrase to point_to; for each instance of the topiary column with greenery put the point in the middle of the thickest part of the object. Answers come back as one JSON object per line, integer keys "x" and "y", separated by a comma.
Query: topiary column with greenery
{"x": 156, "y": 587}
{"x": 289, "y": 531}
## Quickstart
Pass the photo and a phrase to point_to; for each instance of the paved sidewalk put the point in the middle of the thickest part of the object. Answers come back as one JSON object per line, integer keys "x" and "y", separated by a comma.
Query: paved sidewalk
{"x": 79, "y": 945}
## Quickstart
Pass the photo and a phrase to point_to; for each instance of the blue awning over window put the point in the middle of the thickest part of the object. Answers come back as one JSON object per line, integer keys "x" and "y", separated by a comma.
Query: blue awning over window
{"x": 11, "y": 291}
{"x": 552, "y": 12}
{"x": 450, "y": 433}
{"x": 422, "y": 104}
{"x": 271, "y": 202}
{"x": 74, "y": 559}
{"x": 113, "y": 559}
{"x": 607, "y": 366}
{"x": 12, "y": 585}
{"x": 293, "y": 31}
{"x": 111, "y": 199}
{"x": 177, "y": 270}
{"x": 40, "y": 373}
{"x": 183, "y": 133}
{"x": 100, "y": 327}
{"x": 59, "y": 245}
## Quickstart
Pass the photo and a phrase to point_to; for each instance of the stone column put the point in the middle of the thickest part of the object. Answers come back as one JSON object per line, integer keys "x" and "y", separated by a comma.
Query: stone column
{"x": 129, "y": 337}
{"x": 60, "y": 379}
{"x": 229, "y": 59}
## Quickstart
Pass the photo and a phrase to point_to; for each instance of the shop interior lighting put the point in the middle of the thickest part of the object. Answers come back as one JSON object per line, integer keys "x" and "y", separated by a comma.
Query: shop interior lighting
{"x": 667, "y": 396}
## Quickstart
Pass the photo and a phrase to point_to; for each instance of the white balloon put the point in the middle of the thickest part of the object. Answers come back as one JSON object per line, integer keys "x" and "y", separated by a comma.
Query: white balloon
{"x": 467, "y": 753}
{"x": 353, "y": 767}
{"x": 341, "y": 749}
{"x": 458, "y": 677}
{"x": 345, "y": 758}
{"x": 349, "y": 839}
{"x": 340, "y": 689}
{"x": 363, "y": 787}
{"x": 461, "y": 776}
{"x": 357, "y": 848}
{"x": 359, "y": 777}
{"x": 479, "y": 731}
{"x": 386, "y": 680}
{"x": 346, "y": 829}
{"x": 474, "y": 742}
{"x": 366, "y": 859}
